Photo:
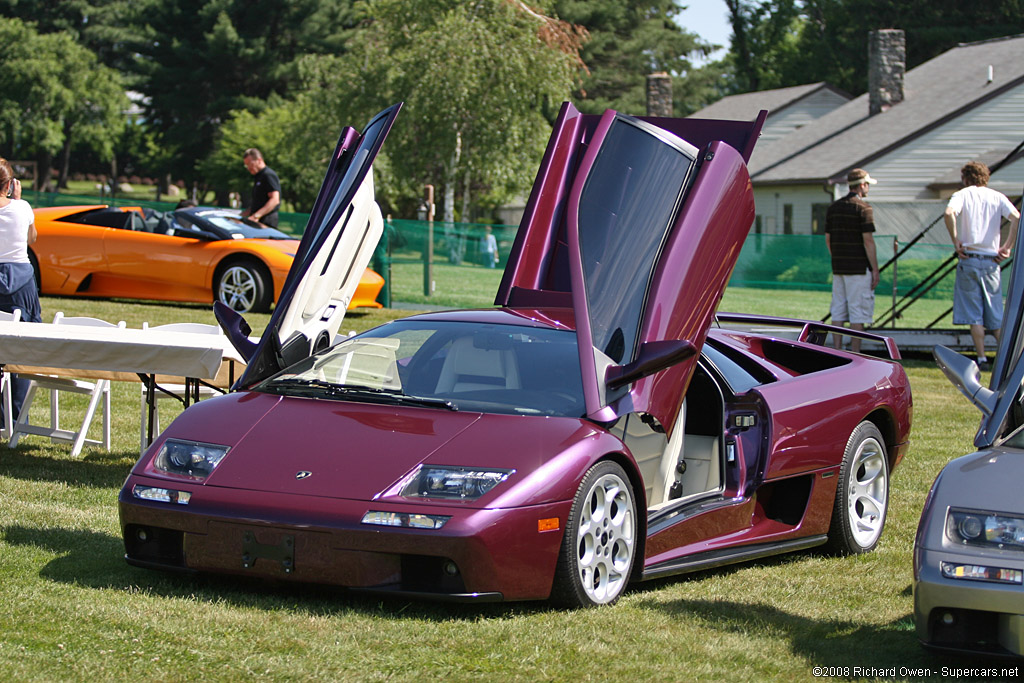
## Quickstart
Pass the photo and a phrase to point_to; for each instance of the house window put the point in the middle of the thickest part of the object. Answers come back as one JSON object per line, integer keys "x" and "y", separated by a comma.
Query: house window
{"x": 818, "y": 218}
{"x": 787, "y": 219}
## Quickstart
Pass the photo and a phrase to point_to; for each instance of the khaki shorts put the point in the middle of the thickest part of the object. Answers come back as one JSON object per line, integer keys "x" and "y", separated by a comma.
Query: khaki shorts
{"x": 853, "y": 300}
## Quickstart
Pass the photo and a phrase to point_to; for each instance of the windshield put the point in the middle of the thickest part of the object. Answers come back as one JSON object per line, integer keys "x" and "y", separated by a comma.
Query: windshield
{"x": 207, "y": 223}
{"x": 508, "y": 369}
{"x": 235, "y": 227}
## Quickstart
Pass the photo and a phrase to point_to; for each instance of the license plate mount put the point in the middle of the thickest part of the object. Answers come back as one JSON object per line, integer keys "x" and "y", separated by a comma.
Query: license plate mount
{"x": 282, "y": 553}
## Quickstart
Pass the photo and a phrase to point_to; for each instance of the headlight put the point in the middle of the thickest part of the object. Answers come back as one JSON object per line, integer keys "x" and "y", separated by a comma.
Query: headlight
{"x": 460, "y": 483}
{"x": 985, "y": 529}
{"x": 189, "y": 458}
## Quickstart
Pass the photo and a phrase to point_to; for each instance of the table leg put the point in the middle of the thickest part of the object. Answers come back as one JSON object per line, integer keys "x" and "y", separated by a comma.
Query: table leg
{"x": 150, "y": 382}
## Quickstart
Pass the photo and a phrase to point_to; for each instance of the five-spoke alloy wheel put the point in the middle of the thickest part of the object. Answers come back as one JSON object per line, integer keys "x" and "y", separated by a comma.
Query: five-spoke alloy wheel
{"x": 862, "y": 497}
{"x": 244, "y": 286}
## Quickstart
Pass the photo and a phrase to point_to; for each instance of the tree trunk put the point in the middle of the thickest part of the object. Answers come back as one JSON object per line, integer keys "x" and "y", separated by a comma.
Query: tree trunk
{"x": 45, "y": 162}
{"x": 456, "y": 247}
{"x": 450, "y": 180}
{"x": 465, "y": 196}
{"x": 739, "y": 20}
{"x": 65, "y": 159}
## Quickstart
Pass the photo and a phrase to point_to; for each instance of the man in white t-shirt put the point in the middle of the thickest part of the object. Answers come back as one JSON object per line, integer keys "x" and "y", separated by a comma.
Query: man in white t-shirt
{"x": 973, "y": 218}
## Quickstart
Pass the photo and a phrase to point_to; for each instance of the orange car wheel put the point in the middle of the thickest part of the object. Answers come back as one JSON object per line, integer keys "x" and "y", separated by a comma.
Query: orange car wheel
{"x": 244, "y": 285}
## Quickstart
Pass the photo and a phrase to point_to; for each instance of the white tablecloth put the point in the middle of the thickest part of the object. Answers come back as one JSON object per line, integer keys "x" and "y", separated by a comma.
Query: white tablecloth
{"x": 151, "y": 352}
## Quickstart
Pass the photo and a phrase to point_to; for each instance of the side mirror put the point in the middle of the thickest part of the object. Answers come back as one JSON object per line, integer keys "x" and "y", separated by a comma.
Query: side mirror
{"x": 235, "y": 327}
{"x": 653, "y": 357}
{"x": 965, "y": 376}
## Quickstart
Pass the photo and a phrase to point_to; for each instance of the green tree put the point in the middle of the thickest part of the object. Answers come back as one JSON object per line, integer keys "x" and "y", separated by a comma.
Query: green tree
{"x": 479, "y": 81}
{"x": 199, "y": 60}
{"x": 778, "y": 43}
{"x": 101, "y": 26}
{"x": 54, "y": 93}
{"x": 764, "y": 42}
{"x": 629, "y": 40}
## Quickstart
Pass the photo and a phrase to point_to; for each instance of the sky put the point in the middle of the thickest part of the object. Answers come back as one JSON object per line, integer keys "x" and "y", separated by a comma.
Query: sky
{"x": 709, "y": 20}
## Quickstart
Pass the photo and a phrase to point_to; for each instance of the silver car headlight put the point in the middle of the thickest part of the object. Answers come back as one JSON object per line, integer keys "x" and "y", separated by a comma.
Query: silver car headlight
{"x": 985, "y": 529}
{"x": 189, "y": 458}
{"x": 458, "y": 483}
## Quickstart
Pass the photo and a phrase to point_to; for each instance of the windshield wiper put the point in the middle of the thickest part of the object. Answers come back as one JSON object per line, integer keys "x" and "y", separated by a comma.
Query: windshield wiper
{"x": 392, "y": 396}
{"x": 396, "y": 396}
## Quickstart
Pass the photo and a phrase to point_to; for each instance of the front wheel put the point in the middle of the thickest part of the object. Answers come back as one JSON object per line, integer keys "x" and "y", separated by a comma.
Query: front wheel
{"x": 599, "y": 547}
{"x": 862, "y": 499}
{"x": 244, "y": 286}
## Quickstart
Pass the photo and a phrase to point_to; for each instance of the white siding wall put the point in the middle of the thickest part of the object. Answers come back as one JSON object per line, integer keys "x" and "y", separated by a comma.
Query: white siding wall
{"x": 1010, "y": 178}
{"x": 905, "y": 173}
{"x": 769, "y": 203}
{"x": 792, "y": 116}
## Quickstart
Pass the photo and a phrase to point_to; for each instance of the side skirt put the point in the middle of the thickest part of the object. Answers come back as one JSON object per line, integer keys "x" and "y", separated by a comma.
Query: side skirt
{"x": 718, "y": 558}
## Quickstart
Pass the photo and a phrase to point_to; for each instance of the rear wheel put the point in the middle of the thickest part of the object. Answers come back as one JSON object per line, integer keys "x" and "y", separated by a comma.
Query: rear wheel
{"x": 244, "y": 286}
{"x": 862, "y": 499}
{"x": 600, "y": 542}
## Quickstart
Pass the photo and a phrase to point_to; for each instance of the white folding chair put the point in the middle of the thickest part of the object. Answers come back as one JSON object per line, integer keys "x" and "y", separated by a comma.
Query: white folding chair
{"x": 5, "y": 382}
{"x": 97, "y": 391}
{"x": 169, "y": 389}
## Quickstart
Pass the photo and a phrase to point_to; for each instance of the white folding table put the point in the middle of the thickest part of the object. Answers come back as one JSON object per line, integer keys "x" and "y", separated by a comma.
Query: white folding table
{"x": 150, "y": 356}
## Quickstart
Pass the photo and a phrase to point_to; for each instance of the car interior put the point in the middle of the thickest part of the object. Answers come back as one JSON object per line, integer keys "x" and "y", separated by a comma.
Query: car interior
{"x": 689, "y": 465}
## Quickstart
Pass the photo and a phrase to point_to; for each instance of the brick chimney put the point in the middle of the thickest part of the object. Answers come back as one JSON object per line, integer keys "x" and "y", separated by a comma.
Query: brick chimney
{"x": 659, "y": 94}
{"x": 887, "y": 64}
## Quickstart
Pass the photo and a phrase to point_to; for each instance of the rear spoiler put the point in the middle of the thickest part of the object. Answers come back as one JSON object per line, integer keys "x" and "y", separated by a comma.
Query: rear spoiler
{"x": 810, "y": 332}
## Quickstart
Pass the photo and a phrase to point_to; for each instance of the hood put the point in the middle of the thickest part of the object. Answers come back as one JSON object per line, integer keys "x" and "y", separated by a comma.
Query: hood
{"x": 636, "y": 223}
{"x": 360, "y": 451}
{"x": 337, "y": 244}
{"x": 353, "y": 450}
{"x": 985, "y": 480}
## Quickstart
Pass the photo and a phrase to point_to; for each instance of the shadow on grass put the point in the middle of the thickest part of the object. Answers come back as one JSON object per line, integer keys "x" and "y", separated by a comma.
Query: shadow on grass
{"x": 839, "y": 645}
{"x": 95, "y": 560}
{"x": 95, "y": 469}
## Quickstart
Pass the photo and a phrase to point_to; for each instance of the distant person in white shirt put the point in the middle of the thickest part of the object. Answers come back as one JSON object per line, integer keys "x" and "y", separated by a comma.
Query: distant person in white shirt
{"x": 489, "y": 248}
{"x": 18, "y": 287}
{"x": 973, "y": 218}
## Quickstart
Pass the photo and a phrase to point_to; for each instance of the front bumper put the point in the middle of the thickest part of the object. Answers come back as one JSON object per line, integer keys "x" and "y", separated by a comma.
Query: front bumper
{"x": 964, "y": 615}
{"x": 480, "y": 554}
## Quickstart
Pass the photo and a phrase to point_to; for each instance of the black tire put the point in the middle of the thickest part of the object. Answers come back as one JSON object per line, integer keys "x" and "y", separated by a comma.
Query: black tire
{"x": 244, "y": 285}
{"x": 862, "y": 495}
{"x": 600, "y": 542}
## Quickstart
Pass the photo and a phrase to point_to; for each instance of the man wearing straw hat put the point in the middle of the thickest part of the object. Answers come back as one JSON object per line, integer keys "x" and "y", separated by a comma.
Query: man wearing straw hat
{"x": 849, "y": 236}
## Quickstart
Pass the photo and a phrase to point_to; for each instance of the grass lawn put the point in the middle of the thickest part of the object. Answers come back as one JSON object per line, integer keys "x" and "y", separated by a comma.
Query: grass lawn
{"x": 72, "y": 609}
{"x": 472, "y": 286}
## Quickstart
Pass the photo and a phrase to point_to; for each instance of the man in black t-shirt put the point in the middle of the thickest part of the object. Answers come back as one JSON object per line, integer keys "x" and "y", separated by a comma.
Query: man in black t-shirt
{"x": 266, "y": 189}
{"x": 849, "y": 236}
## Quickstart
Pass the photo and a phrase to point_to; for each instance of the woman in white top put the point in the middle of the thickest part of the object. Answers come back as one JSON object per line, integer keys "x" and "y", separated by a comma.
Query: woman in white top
{"x": 18, "y": 287}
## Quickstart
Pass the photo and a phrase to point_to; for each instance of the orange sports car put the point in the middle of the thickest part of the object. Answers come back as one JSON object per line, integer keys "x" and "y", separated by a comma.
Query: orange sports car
{"x": 195, "y": 254}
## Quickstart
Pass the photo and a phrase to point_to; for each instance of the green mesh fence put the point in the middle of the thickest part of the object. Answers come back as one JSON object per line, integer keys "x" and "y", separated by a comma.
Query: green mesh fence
{"x": 453, "y": 271}
{"x": 802, "y": 262}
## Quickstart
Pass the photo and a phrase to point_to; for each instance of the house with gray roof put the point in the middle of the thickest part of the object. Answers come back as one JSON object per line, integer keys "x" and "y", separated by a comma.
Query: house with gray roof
{"x": 912, "y": 130}
{"x": 788, "y": 108}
